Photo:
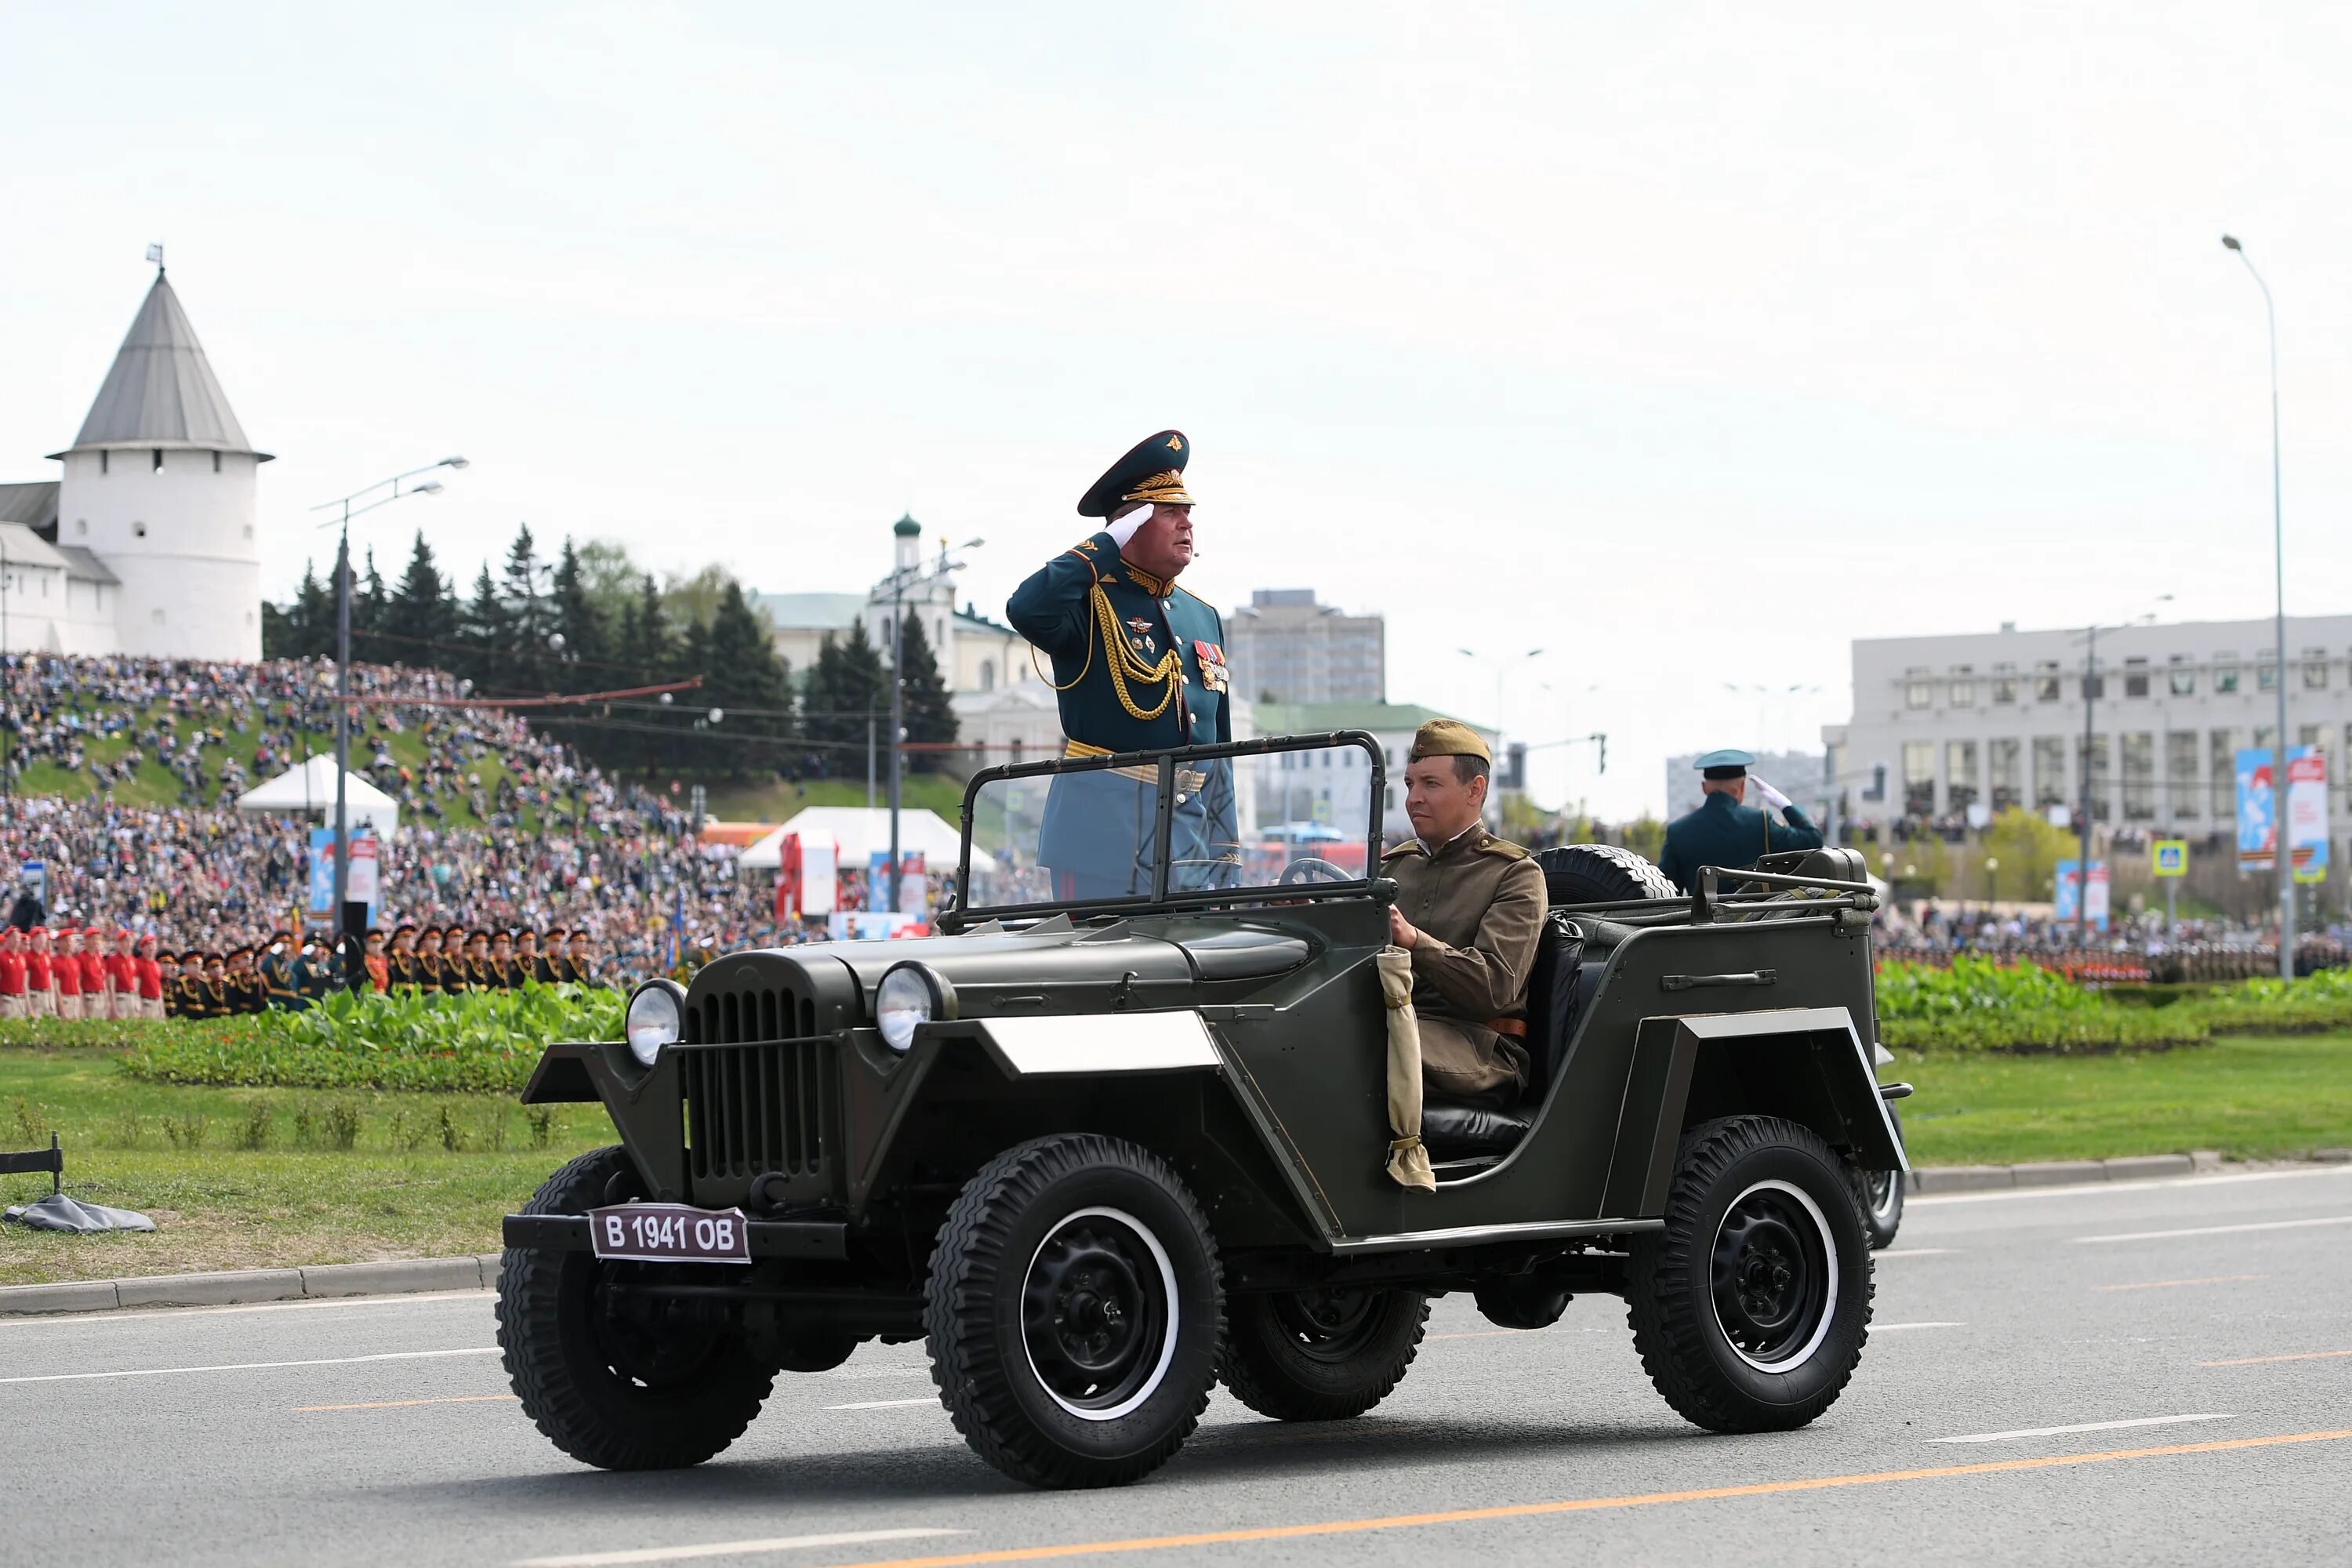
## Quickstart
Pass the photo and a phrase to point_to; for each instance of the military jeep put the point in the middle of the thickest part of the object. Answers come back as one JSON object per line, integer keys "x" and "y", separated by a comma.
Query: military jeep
{"x": 1100, "y": 1154}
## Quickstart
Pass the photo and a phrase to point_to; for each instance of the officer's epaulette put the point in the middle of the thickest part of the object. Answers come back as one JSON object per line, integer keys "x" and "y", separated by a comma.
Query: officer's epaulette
{"x": 1504, "y": 848}
{"x": 1410, "y": 847}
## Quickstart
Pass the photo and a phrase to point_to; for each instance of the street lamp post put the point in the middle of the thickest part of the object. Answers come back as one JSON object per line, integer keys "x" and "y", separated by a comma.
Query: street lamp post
{"x": 898, "y": 576}
{"x": 345, "y": 512}
{"x": 2284, "y": 857}
{"x": 1504, "y": 664}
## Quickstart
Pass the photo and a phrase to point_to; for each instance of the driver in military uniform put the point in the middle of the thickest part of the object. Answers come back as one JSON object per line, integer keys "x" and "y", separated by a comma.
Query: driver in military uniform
{"x": 1138, "y": 664}
{"x": 1724, "y": 831}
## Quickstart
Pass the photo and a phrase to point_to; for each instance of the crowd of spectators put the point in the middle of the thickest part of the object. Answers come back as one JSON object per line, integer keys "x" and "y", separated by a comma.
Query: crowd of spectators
{"x": 541, "y": 840}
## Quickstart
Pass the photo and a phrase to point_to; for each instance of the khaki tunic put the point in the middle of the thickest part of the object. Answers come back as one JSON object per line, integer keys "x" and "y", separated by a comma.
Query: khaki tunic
{"x": 1478, "y": 904}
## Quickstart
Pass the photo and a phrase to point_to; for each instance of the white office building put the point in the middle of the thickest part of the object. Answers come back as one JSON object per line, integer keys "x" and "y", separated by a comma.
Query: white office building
{"x": 1944, "y": 723}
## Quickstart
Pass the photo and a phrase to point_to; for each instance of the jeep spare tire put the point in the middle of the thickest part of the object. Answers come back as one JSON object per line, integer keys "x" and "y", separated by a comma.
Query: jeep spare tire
{"x": 1600, "y": 874}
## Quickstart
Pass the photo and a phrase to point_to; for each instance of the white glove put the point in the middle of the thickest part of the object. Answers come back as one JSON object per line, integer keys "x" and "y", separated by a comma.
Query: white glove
{"x": 1126, "y": 528}
{"x": 1773, "y": 797}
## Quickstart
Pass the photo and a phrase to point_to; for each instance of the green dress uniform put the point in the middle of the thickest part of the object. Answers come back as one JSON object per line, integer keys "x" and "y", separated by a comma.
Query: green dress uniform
{"x": 1138, "y": 664}
{"x": 1725, "y": 834}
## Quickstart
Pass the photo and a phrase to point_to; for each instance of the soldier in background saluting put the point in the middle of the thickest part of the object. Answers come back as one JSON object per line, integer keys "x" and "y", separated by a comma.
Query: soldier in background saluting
{"x": 1138, "y": 663}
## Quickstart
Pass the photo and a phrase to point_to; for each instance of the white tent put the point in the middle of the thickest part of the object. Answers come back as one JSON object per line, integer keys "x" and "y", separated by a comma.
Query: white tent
{"x": 862, "y": 833}
{"x": 312, "y": 788}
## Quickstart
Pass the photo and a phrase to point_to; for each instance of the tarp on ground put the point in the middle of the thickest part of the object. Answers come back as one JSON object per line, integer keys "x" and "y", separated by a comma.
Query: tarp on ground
{"x": 312, "y": 788}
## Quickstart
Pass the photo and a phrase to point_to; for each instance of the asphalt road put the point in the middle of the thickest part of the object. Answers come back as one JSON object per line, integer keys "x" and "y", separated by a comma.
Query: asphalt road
{"x": 2150, "y": 1373}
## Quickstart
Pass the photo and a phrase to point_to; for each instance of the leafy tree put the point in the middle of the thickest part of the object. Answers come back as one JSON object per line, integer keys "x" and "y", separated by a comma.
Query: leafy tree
{"x": 2029, "y": 849}
{"x": 929, "y": 716}
{"x": 696, "y": 599}
{"x": 608, "y": 577}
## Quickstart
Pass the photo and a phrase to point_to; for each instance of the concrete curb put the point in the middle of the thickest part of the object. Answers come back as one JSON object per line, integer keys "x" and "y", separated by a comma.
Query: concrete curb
{"x": 420, "y": 1275}
{"x": 2060, "y": 1173}
{"x": 239, "y": 1287}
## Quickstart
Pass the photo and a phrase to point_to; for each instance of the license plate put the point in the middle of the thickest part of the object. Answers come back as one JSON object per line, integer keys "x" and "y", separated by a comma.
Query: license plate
{"x": 669, "y": 1233}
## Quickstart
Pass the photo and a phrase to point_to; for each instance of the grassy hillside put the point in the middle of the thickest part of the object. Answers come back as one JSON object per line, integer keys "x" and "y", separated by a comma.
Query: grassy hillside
{"x": 775, "y": 801}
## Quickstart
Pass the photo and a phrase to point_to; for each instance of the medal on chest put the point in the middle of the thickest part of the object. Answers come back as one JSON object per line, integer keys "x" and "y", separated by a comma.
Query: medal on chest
{"x": 1214, "y": 675}
{"x": 1139, "y": 637}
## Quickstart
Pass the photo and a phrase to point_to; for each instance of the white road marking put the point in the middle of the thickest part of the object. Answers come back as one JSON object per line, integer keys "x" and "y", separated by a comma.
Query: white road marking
{"x": 2081, "y": 1426}
{"x": 2221, "y": 1229}
{"x": 885, "y": 1404}
{"x": 248, "y": 1366}
{"x": 1897, "y": 1328}
{"x": 83, "y": 1320}
{"x": 920, "y": 1369}
{"x": 2174, "y": 1284}
{"x": 2086, "y": 1189}
{"x": 1916, "y": 1252}
{"x": 728, "y": 1548}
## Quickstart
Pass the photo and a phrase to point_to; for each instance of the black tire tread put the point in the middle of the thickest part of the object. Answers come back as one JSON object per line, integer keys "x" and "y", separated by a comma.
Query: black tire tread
{"x": 1671, "y": 1347}
{"x": 1259, "y": 1380}
{"x": 972, "y": 1384}
{"x": 1609, "y": 873}
{"x": 543, "y": 1376}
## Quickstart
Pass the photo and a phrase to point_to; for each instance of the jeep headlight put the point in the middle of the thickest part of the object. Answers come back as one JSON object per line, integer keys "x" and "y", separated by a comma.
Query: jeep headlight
{"x": 912, "y": 993}
{"x": 656, "y": 1018}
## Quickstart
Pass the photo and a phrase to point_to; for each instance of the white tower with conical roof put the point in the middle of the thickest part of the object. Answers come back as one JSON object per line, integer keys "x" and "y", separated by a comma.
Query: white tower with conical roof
{"x": 160, "y": 485}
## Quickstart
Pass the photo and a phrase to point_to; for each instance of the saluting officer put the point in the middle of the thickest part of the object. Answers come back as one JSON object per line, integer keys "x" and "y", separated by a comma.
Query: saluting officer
{"x": 1725, "y": 833}
{"x": 1138, "y": 664}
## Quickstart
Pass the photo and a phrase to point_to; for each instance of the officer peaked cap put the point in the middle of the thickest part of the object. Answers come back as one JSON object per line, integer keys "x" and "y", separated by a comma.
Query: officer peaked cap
{"x": 1729, "y": 763}
{"x": 1152, "y": 472}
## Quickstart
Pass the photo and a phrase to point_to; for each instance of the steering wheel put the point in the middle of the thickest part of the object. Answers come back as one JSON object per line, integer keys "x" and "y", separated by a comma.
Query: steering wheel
{"x": 1308, "y": 868}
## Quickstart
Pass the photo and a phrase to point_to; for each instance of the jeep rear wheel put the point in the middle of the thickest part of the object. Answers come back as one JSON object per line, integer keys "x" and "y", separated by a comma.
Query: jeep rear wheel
{"x": 1751, "y": 1307}
{"x": 1322, "y": 1355}
{"x": 609, "y": 1391}
{"x": 1880, "y": 1195}
{"x": 1073, "y": 1311}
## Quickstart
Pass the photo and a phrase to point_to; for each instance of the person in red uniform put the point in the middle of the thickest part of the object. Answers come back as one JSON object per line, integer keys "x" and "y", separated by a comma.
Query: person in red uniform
{"x": 96, "y": 982}
{"x": 150, "y": 970}
{"x": 65, "y": 972}
{"x": 11, "y": 973}
{"x": 123, "y": 978}
{"x": 40, "y": 1000}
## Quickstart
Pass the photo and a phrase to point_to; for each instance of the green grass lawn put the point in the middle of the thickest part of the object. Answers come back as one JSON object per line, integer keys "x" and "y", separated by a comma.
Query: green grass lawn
{"x": 186, "y": 1156}
{"x": 231, "y": 1191}
{"x": 2251, "y": 1097}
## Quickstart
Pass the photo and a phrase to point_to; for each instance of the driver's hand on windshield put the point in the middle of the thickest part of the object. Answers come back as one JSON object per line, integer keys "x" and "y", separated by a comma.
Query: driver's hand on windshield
{"x": 1401, "y": 931}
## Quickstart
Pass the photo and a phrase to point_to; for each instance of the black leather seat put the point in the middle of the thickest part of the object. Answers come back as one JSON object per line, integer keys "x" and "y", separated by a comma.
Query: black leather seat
{"x": 1556, "y": 987}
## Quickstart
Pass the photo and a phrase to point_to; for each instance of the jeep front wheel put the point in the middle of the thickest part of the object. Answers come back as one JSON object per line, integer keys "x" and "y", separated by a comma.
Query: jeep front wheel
{"x": 1322, "y": 1355}
{"x": 609, "y": 1390}
{"x": 1073, "y": 1311}
{"x": 1751, "y": 1307}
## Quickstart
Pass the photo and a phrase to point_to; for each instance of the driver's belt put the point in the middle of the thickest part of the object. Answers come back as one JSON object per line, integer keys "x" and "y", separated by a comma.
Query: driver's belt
{"x": 1188, "y": 780}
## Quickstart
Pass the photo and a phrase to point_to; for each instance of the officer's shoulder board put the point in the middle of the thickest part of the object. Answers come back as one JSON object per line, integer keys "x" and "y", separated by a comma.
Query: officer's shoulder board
{"x": 1410, "y": 847}
{"x": 1503, "y": 846}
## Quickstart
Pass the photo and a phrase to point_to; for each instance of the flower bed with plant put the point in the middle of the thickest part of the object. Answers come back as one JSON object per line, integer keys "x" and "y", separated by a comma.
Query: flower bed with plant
{"x": 485, "y": 1042}
{"x": 1978, "y": 1004}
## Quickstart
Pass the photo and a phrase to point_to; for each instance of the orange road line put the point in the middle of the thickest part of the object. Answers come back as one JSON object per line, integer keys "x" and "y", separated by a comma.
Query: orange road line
{"x": 2168, "y": 1284}
{"x": 404, "y": 1403}
{"x": 1579, "y": 1505}
{"x": 2264, "y": 1360}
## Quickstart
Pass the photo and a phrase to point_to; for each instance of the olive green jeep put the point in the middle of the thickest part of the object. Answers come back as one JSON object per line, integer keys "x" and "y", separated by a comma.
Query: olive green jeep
{"x": 1101, "y": 1153}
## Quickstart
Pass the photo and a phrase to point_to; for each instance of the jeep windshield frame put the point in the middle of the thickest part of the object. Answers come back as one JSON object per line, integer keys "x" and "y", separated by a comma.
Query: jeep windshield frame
{"x": 1162, "y": 899}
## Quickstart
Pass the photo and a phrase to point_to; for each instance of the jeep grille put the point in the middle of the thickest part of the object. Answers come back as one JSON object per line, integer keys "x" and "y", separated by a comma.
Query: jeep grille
{"x": 757, "y": 1099}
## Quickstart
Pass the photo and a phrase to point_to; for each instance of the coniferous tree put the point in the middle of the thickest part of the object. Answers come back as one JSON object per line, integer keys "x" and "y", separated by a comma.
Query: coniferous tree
{"x": 848, "y": 685}
{"x": 579, "y": 621}
{"x": 487, "y": 630}
{"x": 421, "y": 618}
{"x": 749, "y": 683}
{"x": 924, "y": 698}
{"x": 371, "y": 608}
{"x": 530, "y": 617}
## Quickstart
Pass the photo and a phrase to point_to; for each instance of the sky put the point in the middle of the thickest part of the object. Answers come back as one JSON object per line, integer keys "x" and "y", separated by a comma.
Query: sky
{"x": 1683, "y": 342}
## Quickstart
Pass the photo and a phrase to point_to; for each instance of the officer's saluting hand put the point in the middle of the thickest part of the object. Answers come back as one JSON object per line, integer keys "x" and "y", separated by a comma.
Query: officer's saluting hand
{"x": 1724, "y": 832}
